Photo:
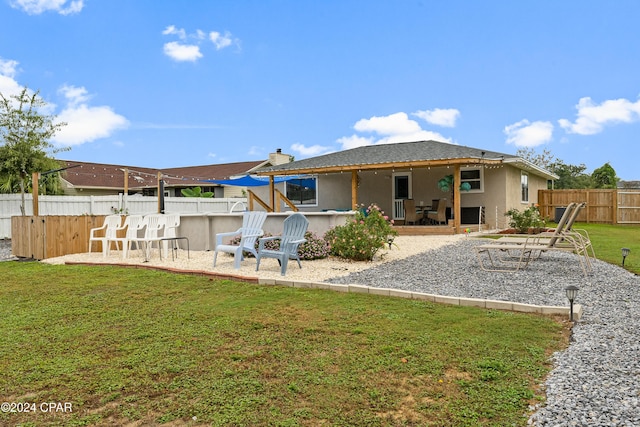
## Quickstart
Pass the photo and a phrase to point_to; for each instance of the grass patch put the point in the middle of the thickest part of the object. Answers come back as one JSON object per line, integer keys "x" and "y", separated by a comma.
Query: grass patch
{"x": 608, "y": 241}
{"x": 147, "y": 347}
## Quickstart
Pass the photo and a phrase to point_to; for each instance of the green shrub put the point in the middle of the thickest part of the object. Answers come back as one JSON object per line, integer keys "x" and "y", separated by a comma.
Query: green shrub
{"x": 361, "y": 238}
{"x": 523, "y": 221}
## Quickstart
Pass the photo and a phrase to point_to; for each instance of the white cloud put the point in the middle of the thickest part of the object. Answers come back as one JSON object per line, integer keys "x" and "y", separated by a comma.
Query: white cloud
{"x": 8, "y": 67}
{"x": 212, "y": 155}
{"x": 391, "y": 129}
{"x": 8, "y": 85}
{"x": 354, "y": 141}
{"x": 85, "y": 123}
{"x": 189, "y": 49}
{"x": 592, "y": 118}
{"x": 439, "y": 116}
{"x": 219, "y": 40}
{"x": 526, "y": 134}
{"x": 313, "y": 150}
{"x": 74, "y": 95}
{"x": 171, "y": 29}
{"x": 182, "y": 52}
{"x": 392, "y": 124}
{"x": 36, "y": 7}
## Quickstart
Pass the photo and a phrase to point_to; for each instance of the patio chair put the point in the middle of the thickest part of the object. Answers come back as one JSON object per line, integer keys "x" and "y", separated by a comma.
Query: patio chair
{"x": 153, "y": 225}
{"x": 440, "y": 215}
{"x": 107, "y": 233}
{"x": 518, "y": 251}
{"x": 171, "y": 224}
{"x": 410, "y": 213}
{"x": 293, "y": 231}
{"x": 251, "y": 229}
{"x": 131, "y": 226}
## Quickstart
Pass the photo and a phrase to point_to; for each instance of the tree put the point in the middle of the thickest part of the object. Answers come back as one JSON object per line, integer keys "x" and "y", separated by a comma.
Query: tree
{"x": 25, "y": 132}
{"x": 49, "y": 184}
{"x": 195, "y": 192}
{"x": 571, "y": 176}
{"x": 605, "y": 177}
{"x": 544, "y": 159}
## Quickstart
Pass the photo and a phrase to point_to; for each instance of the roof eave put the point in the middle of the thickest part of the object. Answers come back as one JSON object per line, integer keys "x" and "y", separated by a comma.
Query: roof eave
{"x": 469, "y": 161}
{"x": 527, "y": 165}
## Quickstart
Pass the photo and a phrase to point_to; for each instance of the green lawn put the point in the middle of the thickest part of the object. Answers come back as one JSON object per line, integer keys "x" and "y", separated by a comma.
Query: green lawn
{"x": 608, "y": 241}
{"x": 145, "y": 347}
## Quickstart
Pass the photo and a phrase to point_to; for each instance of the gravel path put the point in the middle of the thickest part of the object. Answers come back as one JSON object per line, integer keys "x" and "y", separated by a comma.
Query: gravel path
{"x": 596, "y": 381}
{"x": 5, "y": 250}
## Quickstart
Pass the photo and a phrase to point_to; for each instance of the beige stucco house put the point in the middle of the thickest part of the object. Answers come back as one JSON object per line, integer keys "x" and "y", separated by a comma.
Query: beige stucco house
{"x": 389, "y": 174}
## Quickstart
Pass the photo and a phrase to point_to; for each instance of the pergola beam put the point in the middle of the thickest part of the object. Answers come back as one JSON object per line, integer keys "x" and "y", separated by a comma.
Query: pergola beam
{"x": 384, "y": 166}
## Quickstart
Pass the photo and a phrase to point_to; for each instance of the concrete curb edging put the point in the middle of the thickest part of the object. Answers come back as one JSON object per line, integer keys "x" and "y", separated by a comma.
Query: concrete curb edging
{"x": 465, "y": 302}
{"x": 362, "y": 289}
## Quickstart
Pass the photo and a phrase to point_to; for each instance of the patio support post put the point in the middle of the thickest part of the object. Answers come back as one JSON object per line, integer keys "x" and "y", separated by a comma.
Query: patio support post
{"x": 456, "y": 199}
{"x": 354, "y": 189}
{"x": 272, "y": 194}
{"x": 126, "y": 181}
{"x": 35, "y": 177}
{"x": 160, "y": 193}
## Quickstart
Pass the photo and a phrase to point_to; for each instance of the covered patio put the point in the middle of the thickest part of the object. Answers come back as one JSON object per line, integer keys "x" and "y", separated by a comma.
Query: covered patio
{"x": 391, "y": 174}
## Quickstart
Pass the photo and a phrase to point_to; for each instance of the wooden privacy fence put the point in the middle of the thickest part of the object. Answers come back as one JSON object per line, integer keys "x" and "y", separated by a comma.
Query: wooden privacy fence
{"x": 41, "y": 237}
{"x": 603, "y": 206}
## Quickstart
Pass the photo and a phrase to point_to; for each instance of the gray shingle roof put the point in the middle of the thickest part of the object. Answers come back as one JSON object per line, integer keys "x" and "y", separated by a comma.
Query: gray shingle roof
{"x": 390, "y": 153}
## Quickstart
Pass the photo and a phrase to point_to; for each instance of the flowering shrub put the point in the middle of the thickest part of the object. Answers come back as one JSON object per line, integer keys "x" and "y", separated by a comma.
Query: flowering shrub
{"x": 314, "y": 248}
{"x": 523, "y": 221}
{"x": 360, "y": 239}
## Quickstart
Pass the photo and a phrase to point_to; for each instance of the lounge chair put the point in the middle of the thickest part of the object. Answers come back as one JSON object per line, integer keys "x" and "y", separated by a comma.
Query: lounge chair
{"x": 251, "y": 229}
{"x": 106, "y": 233}
{"x": 558, "y": 236}
{"x": 294, "y": 229}
{"x": 514, "y": 253}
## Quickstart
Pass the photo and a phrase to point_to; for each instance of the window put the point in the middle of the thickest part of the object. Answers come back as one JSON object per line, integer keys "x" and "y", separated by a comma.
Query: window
{"x": 524, "y": 181}
{"x": 302, "y": 191}
{"x": 472, "y": 176}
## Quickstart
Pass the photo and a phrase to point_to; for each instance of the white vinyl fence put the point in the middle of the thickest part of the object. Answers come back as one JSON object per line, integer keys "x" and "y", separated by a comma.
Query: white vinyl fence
{"x": 105, "y": 205}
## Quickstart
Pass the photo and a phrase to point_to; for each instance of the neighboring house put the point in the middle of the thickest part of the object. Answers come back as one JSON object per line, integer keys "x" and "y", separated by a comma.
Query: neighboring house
{"x": 84, "y": 178}
{"x": 388, "y": 174}
{"x": 628, "y": 185}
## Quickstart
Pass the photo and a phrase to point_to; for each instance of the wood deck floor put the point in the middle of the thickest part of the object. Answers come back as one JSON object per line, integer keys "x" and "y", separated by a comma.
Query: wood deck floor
{"x": 430, "y": 230}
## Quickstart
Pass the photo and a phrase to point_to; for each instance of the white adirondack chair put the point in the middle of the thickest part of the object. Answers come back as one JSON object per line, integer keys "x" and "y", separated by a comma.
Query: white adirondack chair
{"x": 294, "y": 229}
{"x": 252, "y": 222}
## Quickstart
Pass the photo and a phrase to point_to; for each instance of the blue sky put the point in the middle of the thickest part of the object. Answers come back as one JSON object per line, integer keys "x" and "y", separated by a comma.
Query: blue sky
{"x": 162, "y": 83}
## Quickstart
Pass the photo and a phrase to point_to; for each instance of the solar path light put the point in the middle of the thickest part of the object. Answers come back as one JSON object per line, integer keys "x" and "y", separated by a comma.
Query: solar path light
{"x": 572, "y": 293}
{"x": 625, "y": 253}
